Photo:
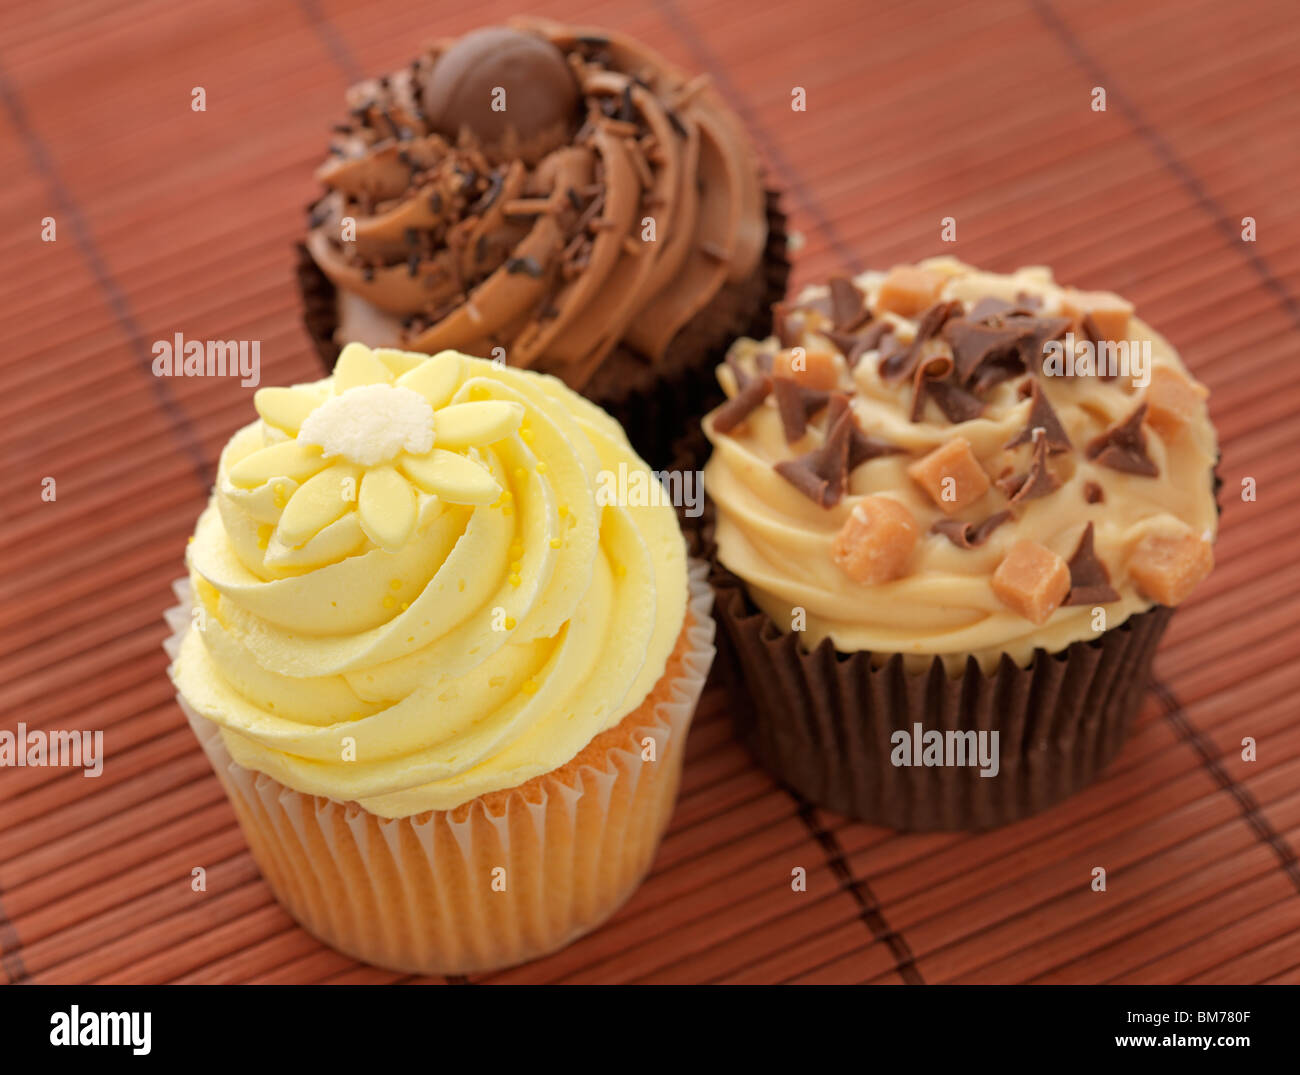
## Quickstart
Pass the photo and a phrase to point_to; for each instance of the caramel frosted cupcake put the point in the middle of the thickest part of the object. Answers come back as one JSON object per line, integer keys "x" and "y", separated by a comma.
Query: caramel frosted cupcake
{"x": 946, "y": 502}
{"x": 562, "y": 198}
{"x": 445, "y": 687}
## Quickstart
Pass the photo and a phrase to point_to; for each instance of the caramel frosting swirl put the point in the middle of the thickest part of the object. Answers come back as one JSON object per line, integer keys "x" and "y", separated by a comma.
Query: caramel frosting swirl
{"x": 1099, "y": 482}
{"x": 544, "y": 189}
{"x": 408, "y": 592}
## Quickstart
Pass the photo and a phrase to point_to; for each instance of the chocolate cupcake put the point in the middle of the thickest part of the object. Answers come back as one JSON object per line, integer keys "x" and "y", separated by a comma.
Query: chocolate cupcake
{"x": 949, "y": 515}
{"x": 559, "y": 199}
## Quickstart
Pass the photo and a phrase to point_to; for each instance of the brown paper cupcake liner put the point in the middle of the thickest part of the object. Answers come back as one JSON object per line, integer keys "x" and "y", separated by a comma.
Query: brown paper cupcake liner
{"x": 822, "y": 721}
{"x": 653, "y": 402}
{"x": 497, "y": 881}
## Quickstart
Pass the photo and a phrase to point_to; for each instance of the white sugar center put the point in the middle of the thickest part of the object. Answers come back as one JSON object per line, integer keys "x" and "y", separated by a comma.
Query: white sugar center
{"x": 371, "y": 424}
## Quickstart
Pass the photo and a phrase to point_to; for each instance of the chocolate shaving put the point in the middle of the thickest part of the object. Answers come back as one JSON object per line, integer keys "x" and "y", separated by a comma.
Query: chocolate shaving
{"x": 848, "y": 304}
{"x": 1037, "y": 482}
{"x": 1124, "y": 448}
{"x": 934, "y": 368}
{"x": 988, "y": 307}
{"x": 973, "y": 344}
{"x": 742, "y": 404}
{"x": 822, "y": 474}
{"x": 796, "y": 405}
{"x": 862, "y": 447}
{"x": 897, "y": 366}
{"x": 1040, "y": 330}
{"x": 787, "y": 325}
{"x": 485, "y": 200}
{"x": 853, "y": 345}
{"x": 1089, "y": 328}
{"x": 967, "y": 536}
{"x": 957, "y": 404}
{"x": 1089, "y": 579}
{"x": 1093, "y": 493}
{"x": 1042, "y": 416}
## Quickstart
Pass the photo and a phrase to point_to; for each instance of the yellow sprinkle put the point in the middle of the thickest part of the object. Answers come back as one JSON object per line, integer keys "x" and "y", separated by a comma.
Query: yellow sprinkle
{"x": 507, "y": 496}
{"x": 541, "y": 467}
{"x": 526, "y": 434}
{"x": 478, "y": 392}
{"x": 510, "y": 623}
{"x": 389, "y": 602}
{"x": 515, "y": 580}
{"x": 564, "y": 510}
{"x": 555, "y": 543}
{"x": 516, "y": 550}
{"x": 620, "y": 570}
{"x": 189, "y": 540}
{"x": 263, "y": 535}
{"x": 394, "y": 584}
{"x": 405, "y": 605}
{"x": 529, "y": 686}
{"x": 515, "y": 566}
{"x": 520, "y": 473}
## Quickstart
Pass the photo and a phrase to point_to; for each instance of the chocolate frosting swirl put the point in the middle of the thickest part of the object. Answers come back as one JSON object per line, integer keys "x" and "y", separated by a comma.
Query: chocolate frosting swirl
{"x": 608, "y": 206}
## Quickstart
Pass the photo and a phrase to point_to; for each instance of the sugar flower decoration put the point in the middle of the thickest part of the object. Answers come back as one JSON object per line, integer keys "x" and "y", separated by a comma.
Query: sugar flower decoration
{"x": 381, "y": 435}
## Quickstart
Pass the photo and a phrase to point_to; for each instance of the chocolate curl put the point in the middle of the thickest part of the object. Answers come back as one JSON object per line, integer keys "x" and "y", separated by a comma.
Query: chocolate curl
{"x": 966, "y": 536}
{"x": 1042, "y": 416}
{"x": 934, "y": 368}
{"x": 957, "y": 404}
{"x": 1038, "y": 481}
{"x": 1089, "y": 579}
{"x": 897, "y": 366}
{"x": 853, "y": 345}
{"x": 848, "y": 306}
{"x": 742, "y": 404}
{"x": 974, "y": 344}
{"x": 822, "y": 474}
{"x": 796, "y": 405}
{"x": 1124, "y": 448}
{"x": 1040, "y": 330}
{"x": 862, "y": 448}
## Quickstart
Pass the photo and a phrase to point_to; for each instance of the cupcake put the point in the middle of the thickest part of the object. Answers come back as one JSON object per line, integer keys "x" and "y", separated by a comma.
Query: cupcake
{"x": 444, "y": 678}
{"x": 562, "y": 199}
{"x": 950, "y": 513}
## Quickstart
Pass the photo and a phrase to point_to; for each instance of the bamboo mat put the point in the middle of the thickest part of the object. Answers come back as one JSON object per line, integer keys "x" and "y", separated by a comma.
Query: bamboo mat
{"x": 170, "y": 220}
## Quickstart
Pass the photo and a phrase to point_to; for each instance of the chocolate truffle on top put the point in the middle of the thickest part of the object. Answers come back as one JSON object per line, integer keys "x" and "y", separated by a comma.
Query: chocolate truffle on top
{"x": 513, "y": 92}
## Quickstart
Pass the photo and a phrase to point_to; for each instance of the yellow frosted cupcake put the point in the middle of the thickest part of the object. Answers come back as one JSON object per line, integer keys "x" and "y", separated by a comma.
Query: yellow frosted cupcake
{"x": 445, "y": 685}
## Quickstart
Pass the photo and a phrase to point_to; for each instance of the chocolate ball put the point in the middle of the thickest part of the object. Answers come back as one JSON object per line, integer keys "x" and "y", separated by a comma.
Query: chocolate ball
{"x": 540, "y": 99}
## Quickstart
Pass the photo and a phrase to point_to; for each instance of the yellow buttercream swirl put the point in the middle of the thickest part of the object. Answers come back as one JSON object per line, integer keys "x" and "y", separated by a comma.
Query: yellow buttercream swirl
{"x": 780, "y": 542}
{"x": 407, "y": 593}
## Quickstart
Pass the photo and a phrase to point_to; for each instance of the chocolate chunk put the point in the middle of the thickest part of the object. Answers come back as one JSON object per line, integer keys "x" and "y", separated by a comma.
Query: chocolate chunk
{"x": 823, "y": 474}
{"x": 742, "y": 404}
{"x": 1089, "y": 579}
{"x": 1037, "y": 482}
{"x": 1042, "y": 416}
{"x": 848, "y": 304}
{"x": 796, "y": 405}
{"x": 898, "y": 365}
{"x": 1040, "y": 330}
{"x": 973, "y": 344}
{"x": 862, "y": 447}
{"x": 966, "y": 536}
{"x": 1093, "y": 493}
{"x": 1124, "y": 448}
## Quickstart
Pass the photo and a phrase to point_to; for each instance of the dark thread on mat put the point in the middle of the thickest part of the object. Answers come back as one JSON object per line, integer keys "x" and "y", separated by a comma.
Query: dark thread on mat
{"x": 332, "y": 40}
{"x": 869, "y": 909}
{"x": 706, "y": 60}
{"x": 66, "y": 207}
{"x": 11, "y": 962}
{"x": 1168, "y": 157}
{"x": 1250, "y": 807}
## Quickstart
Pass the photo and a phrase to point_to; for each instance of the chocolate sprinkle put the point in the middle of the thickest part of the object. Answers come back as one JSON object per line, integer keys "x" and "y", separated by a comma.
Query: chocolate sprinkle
{"x": 796, "y": 405}
{"x": 1093, "y": 493}
{"x": 1124, "y": 448}
{"x": 1042, "y": 416}
{"x": 1037, "y": 482}
{"x": 1089, "y": 579}
{"x": 966, "y": 536}
{"x": 848, "y": 304}
{"x": 742, "y": 404}
{"x": 822, "y": 474}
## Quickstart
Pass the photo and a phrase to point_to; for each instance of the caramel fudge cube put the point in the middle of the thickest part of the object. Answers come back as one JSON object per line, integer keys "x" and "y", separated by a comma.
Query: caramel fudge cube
{"x": 1032, "y": 581}
{"x": 1168, "y": 567}
{"x": 1109, "y": 312}
{"x": 808, "y": 369}
{"x": 876, "y": 540}
{"x": 907, "y": 290}
{"x": 951, "y": 475}
{"x": 1172, "y": 401}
